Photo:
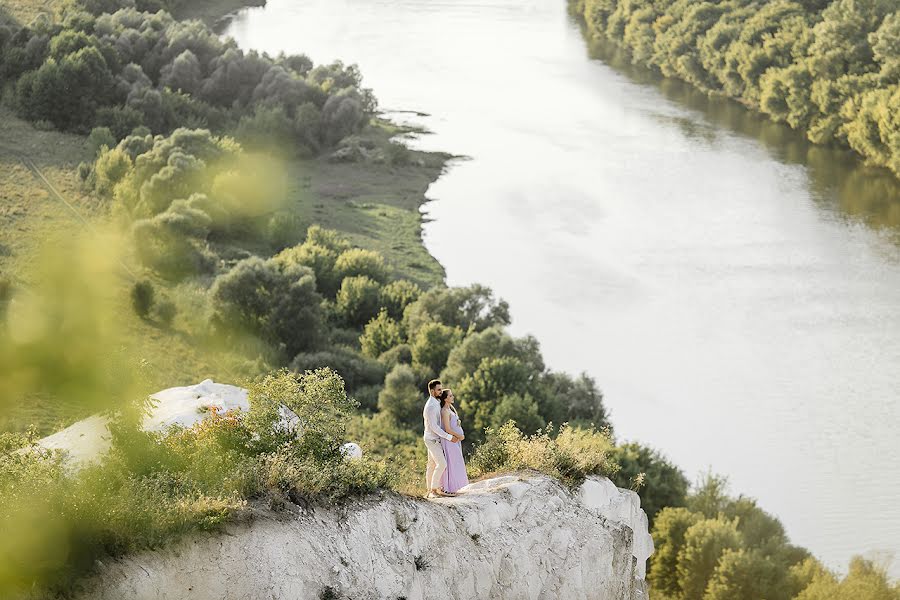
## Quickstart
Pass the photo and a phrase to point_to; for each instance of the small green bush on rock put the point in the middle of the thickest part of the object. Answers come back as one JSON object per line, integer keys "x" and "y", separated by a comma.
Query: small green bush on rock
{"x": 570, "y": 456}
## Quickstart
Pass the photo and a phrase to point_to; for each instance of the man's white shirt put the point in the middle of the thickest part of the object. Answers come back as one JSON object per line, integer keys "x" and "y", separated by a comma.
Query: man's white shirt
{"x": 432, "y": 415}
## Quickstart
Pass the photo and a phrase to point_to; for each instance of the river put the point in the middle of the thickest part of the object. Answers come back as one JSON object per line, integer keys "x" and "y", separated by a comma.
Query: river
{"x": 735, "y": 291}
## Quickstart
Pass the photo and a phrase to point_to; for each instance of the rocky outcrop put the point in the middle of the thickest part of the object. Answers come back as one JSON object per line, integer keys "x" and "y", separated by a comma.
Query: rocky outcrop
{"x": 511, "y": 537}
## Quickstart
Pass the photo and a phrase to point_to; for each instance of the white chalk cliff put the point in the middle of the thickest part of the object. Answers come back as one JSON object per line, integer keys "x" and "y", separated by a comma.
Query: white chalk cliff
{"x": 504, "y": 538}
{"x": 510, "y": 537}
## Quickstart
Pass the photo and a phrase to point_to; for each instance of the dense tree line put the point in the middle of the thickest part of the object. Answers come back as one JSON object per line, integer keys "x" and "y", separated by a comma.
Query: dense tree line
{"x": 325, "y": 302}
{"x": 722, "y": 548}
{"x": 127, "y": 70}
{"x": 829, "y": 69}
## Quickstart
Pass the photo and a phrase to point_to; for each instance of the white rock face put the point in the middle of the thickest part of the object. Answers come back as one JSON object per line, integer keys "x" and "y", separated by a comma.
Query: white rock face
{"x": 510, "y": 538}
{"x": 621, "y": 506}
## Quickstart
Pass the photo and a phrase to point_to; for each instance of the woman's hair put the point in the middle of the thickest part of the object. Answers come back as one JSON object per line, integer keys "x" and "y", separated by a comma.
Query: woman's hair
{"x": 446, "y": 392}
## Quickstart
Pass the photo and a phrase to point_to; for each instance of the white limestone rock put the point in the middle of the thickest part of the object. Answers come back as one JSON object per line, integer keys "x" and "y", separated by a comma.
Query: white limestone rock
{"x": 621, "y": 506}
{"x": 509, "y": 537}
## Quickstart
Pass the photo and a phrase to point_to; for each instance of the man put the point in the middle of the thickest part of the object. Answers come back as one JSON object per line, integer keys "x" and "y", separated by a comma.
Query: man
{"x": 437, "y": 463}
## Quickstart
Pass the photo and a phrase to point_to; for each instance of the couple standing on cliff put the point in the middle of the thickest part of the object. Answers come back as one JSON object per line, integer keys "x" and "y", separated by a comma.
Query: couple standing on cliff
{"x": 446, "y": 470}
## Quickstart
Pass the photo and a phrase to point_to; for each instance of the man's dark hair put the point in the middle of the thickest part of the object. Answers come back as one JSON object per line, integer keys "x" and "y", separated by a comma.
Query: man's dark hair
{"x": 433, "y": 384}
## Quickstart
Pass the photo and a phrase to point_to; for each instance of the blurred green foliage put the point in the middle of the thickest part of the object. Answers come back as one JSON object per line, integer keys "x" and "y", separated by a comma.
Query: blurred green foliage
{"x": 152, "y": 488}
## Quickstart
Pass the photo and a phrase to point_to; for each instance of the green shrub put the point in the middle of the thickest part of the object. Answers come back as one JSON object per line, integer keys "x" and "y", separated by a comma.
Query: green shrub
{"x": 367, "y": 397}
{"x": 318, "y": 258}
{"x": 358, "y": 301}
{"x": 380, "y": 335}
{"x": 66, "y": 92}
{"x": 166, "y": 311}
{"x": 398, "y": 355}
{"x": 308, "y": 127}
{"x": 357, "y": 371}
{"x": 493, "y": 342}
{"x": 358, "y": 262}
{"x": 579, "y": 399}
{"x": 283, "y": 229}
{"x": 468, "y": 308}
{"x": 398, "y": 154}
{"x": 306, "y": 461}
{"x": 320, "y": 403}
{"x": 100, "y": 137}
{"x": 865, "y": 580}
{"x": 186, "y": 163}
{"x": 669, "y": 529}
{"x": 432, "y": 345}
{"x": 142, "y": 298}
{"x": 397, "y": 295}
{"x": 268, "y": 299}
{"x": 173, "y": 243}
{"x": 571, "y": 456}
{"x": 265, "y": 128}
{"x": 85, "y": 170}
{"x": 401, "y": 399}
{"x": 382, "y": 438}
{"x": 705, "y": 542}
{"x": 110, "y": 168}
{"x": 121, "y": 120}
{"x": 521, "y": 410}
{"x": 481, "y": 391}
{"x": 330, "y": 482}
{"x": 327, "y": 238}
{"x": 748, "y": 575}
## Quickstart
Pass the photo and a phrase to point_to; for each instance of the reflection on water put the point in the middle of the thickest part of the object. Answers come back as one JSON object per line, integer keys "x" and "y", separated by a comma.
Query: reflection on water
{"x": 837, "y": 176}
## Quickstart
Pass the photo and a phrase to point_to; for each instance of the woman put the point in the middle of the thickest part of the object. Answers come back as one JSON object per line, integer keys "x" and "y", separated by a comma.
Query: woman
{"x": 455, "y": 476}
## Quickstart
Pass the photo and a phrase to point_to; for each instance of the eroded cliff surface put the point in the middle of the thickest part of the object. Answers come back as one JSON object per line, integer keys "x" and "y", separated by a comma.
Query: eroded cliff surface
{"x": 510, "y": 537}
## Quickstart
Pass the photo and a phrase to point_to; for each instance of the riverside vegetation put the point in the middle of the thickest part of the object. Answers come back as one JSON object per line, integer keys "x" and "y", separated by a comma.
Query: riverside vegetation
{"x": 830, "y": 69}
{"x": 249, "y": 218}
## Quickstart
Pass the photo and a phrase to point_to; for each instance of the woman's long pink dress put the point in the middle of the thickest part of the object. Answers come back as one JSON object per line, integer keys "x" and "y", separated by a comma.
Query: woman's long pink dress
{"x": 455, "y": 476}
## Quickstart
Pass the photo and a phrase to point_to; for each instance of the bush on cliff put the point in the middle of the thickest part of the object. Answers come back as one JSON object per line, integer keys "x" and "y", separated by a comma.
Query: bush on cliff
{"x": 570, "y": 456}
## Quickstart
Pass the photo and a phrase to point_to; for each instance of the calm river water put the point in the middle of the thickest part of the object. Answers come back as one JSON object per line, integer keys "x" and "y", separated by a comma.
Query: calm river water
{"x": 735, "y": 292}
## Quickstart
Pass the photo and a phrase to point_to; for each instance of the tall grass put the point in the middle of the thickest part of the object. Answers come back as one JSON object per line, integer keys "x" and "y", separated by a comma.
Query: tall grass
{"x": 570, "y": 456}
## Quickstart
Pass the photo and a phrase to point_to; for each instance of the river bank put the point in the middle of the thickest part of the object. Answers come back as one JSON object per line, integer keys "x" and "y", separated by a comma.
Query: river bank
{"x": 783, "y": 61}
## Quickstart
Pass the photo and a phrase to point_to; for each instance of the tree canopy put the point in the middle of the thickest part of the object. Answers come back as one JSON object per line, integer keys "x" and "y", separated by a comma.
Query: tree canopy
{"x": 827, "y": 68}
